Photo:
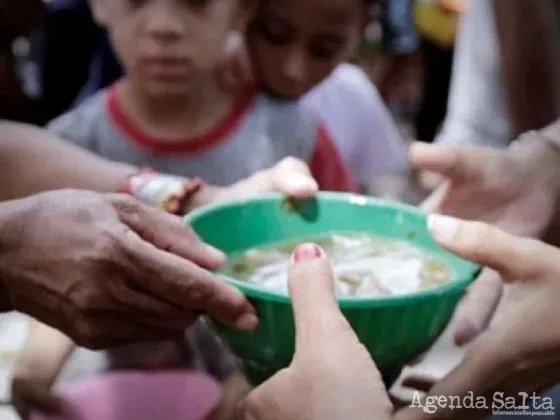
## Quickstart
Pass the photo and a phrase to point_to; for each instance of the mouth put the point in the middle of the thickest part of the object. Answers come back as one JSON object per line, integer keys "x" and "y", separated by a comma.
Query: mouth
{"x": 167, "y": 67}
{"x": 280, "y": 95}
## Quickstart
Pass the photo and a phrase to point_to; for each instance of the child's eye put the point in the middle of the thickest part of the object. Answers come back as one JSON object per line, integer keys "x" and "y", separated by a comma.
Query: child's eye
{"x": 136, "y": 3}
{"x": 197, "y": 4}
{"x": 326, "y": 49}
{"x": 324, "y": 52}
{"x": 274, "y": 35}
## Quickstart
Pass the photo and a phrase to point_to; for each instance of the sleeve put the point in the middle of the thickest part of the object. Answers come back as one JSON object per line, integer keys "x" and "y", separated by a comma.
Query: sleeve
{"x": 78, "y": 125}
{"x": 384, "y": 150}
{"x": 327, "y": 166}
{"x": 480, "y": 119}
{"x": 380, "y": 148}
{"x": 360, "y": 124}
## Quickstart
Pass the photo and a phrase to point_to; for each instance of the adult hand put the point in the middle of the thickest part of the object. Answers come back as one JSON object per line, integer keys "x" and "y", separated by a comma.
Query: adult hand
{"x": 516, "y": 189}
{"x": 520, "y": 351}
{"x": 332, "y": 375}
{"x": 107, "y": 270}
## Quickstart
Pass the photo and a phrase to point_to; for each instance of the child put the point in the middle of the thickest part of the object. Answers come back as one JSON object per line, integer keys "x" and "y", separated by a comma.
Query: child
{"x": 298, "y": 57}
{"x": 169, "y": 113}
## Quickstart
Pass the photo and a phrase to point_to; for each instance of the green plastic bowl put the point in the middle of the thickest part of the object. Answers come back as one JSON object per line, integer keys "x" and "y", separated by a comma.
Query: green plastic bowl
{"x": 394, "y": 329}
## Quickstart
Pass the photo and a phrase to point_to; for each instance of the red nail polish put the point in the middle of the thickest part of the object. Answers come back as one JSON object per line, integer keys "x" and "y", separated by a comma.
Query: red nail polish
{"x": 307, "y": 252}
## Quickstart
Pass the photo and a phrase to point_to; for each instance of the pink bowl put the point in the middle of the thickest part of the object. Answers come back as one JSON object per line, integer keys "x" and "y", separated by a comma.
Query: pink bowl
{"x": 140, "y": 396}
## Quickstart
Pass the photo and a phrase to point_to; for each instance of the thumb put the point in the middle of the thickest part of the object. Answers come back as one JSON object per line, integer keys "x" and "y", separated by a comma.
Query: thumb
{"x": 511, "y": 256}
{"x": 453, "y": 162}
{"x": 311, "y": 282}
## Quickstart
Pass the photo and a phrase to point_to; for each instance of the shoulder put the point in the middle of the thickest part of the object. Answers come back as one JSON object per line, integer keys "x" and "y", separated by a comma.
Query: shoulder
{"x": 349, "y": 85}
{"x": 291, "y": 126}
{"x": 79, "y": 124}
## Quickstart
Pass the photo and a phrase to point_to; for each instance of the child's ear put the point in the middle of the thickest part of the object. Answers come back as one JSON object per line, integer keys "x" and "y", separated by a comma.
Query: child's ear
{"x": 246, "y": 12}
{"x": 99, "y": 11}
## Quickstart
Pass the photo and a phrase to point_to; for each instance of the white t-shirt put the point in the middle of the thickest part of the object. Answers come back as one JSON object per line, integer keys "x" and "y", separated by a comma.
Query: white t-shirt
{"x": 359, "y": 123}
{"x": 477, "y": 110}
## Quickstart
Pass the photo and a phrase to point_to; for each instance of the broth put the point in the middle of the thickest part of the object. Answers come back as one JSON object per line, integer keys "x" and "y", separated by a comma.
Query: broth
{"x": 364, "y": 265}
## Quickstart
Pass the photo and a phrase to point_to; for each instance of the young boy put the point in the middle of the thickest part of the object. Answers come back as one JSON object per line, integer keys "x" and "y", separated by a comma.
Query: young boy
{"x": 296, "y": 56}
{"x": 170, "y": 114}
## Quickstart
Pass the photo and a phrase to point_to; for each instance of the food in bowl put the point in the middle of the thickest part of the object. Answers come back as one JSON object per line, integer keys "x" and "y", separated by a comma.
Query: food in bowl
{"x": 364, "y": 265}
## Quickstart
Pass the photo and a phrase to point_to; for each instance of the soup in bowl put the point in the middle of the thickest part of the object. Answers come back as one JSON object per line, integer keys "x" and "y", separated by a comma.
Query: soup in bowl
{"x": 395, "y": 285}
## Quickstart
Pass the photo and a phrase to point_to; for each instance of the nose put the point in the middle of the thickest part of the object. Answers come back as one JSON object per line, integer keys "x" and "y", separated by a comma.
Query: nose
{"x": 294, "y": 67}
{"x": 163, "y": 20}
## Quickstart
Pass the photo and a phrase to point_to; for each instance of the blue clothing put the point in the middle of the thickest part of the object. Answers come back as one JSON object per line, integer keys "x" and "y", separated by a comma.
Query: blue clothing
{"x": 399, "y": 34}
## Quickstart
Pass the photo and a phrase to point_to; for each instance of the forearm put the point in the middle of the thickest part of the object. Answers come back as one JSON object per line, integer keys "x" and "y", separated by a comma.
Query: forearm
{"x": 32, "y": 160}
{"x": 44, "y": 354}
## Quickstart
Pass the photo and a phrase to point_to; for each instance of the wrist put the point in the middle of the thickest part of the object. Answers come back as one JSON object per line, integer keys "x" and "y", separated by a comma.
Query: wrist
{"x": 207, "y": 194}
{"x": 172, "y": 194}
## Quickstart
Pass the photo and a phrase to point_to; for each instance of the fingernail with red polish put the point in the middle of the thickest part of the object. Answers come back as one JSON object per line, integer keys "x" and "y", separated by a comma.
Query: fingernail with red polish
{"x": 307, "y": 252}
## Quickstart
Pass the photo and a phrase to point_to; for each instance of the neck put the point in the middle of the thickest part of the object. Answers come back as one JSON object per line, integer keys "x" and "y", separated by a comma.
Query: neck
{"x": 175, "y": 116}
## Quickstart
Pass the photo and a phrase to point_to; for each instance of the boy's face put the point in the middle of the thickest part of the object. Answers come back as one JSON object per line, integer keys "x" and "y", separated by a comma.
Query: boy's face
{"x": 297, "y": 43}
{"x": 170, "y": 46}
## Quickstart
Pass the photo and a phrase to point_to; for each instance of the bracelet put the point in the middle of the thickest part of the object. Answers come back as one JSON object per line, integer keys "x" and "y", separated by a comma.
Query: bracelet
{"x": 166, "y": 192}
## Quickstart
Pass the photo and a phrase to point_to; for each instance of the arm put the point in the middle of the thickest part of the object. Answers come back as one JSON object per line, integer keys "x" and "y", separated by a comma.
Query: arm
{"x": 37, "y": 368}
{"x": 44, "y": 354}
{"x": 34, "y": 160}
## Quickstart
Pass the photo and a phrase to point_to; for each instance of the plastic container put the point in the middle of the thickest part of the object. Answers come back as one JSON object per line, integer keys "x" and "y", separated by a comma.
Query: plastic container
{"x": 394, "y": 329}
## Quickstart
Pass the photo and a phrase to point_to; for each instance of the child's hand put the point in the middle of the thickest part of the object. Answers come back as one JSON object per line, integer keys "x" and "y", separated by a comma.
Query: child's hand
{"x": 177, "y": 195}
{"x": 31, "y": 395}
{"x": 290, "y": 177}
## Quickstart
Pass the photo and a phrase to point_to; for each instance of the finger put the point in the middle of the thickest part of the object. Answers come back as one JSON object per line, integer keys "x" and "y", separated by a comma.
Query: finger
{"x": 477, "y": 307}
{"x": 132, "y": 298}
{"x": 512, "y": 256}
{"x": 187, "y": 285}
{"x": 453, "y": 162}
{"x": 419, "y": 382}
{"x": 166, "y": 231}
{"x": 434, "y": 202}
{"x": 429, "y": 180}
{"x": 311, "y": 284}
{"x": 293, "y": 178}
{"x": 290, "y": 177}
